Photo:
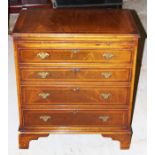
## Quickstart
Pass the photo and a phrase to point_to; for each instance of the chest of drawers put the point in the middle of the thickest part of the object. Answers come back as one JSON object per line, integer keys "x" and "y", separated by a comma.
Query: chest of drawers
{"x": 75, "y": 72}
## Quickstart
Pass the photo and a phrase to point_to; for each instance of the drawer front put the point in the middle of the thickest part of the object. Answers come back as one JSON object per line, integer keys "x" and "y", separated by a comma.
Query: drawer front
{"x": 75, "y": 74}
{"x": 47, "y": 118}
{"x": 74, "y": 55}
{"x": 75, "y": 95}
{"x": 76, "y": 45}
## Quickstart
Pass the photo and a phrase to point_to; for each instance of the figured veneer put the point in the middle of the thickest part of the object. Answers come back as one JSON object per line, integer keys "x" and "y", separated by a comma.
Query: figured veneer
{"x": 75, "y": 95}
{"x": 74, "y": 55}
{"x": 48, "y": 118}
{"x": 75, "y": 74}
{"x": 76, "y": 21}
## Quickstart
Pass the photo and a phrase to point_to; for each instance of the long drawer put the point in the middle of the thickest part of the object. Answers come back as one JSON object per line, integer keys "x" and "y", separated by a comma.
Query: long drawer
{"x": 47, "y": 118}
{"x": 84, "y": 44}
{"x": 75, "y": 74}
{"x": 75, "y": 95}
{"x": 75, "y": 55}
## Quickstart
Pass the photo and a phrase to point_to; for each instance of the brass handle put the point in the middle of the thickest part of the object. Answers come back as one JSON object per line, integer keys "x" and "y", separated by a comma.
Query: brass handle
{"x": 106, "y": 75}
{"x": 74, "y": 51}
{"x": 43, "y": 75}
{"x": 45, "y": 118}
{"x": 105, "y": 95}
{"x": 43, "y": 55}
{"x": 104, "y": 118}
{"x": 76, "y": 89}
{"x": 44, "y": 95}
{"x": 75, "y": 70}
{"x": 107, "y": 56}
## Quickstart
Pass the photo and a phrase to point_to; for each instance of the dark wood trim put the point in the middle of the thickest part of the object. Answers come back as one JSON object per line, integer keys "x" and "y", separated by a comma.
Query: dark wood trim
{"x": 17, "y": 7}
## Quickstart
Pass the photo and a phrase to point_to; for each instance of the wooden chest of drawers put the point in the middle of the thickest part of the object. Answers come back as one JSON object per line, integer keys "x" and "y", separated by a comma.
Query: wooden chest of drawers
{"x": 75, "y": 72}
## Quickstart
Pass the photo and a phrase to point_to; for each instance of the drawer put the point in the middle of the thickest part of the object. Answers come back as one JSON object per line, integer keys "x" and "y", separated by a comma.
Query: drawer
{"x": 75, "y": 95}
{"x": 84, "y": 44}
{"x": 74, "y": 55}
{"x": 75, "y": 74}
{"x": 47, "y": 118}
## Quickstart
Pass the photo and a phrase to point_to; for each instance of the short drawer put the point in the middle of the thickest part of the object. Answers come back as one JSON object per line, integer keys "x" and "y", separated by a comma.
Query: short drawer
{"x": 74, "y": 55}
{"x": 47, "y": 118}
{"x": 75, "y": 74}
{"x": 75, "y": 95}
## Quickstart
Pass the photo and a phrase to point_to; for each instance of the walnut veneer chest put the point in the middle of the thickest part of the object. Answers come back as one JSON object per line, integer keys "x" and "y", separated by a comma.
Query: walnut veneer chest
{"x": 75, "y": 72}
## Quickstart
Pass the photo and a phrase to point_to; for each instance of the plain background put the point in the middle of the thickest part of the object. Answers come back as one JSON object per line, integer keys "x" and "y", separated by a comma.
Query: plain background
{"x": 4, "y": 77}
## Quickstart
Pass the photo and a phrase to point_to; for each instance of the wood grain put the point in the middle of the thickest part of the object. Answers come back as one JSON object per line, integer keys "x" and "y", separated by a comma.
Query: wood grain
{"x": 25, "y": 138}
{"x": 124, "y": 139}
{"x": 75, "y": 95}
{"x": 75, "y": 74}
{"x": 76, "y": 21}
{"x": 49, "y": 118}
{"x": 75, "y": 54}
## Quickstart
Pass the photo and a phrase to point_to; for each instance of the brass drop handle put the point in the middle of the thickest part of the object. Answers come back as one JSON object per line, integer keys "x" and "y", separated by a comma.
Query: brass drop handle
{"x": 43, "y": 75}
{"x": 74, "y": 51}
{"x": 45, "y": 118}
{"x": 76, "y": 89}
{"x": 43, "y": 55}
{"x": 107, "y": 56}
{"x": 104, "y": 118}
{"x": 105, "y": 95}
{"x": 44, "y": 95}
{"x": 75, "y": 70}
{"x": 106, "y": 75}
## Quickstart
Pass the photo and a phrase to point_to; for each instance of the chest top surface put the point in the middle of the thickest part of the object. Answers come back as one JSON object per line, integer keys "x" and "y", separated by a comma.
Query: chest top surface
{"x": 71, "y": 21}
